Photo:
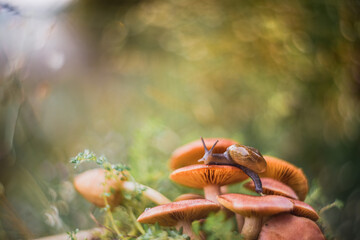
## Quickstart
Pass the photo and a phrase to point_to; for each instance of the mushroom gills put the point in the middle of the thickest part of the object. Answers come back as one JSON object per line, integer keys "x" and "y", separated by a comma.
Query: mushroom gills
{"x": 254, "y": 176}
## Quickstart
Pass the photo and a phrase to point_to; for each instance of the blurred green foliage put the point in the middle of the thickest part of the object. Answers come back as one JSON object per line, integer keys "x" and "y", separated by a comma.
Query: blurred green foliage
{"x": 155, "y": 232}
{"x": 282, "y": 77}
{"x": 218, "y": 227}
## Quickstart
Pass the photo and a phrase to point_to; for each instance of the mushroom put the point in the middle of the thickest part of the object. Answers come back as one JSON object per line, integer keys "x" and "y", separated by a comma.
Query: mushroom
{"x": 288, "y": 174}
{"x": 248, "y": 159}
{"x": 253, "y": 208}
{"x": 190, "y": 153}
{"x": 208, "y": 177}
{"x": 189, "y": 196}
{"x": 273, "y": 187}
{"x": 303, "y": 209}
{"x": 92, "y": 185}
{"x": 179, "y": 214}
{"x": 290, "y": 227}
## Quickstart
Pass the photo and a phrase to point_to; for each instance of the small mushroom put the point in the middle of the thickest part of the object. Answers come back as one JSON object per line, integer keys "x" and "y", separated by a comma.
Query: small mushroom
{"x": 304, "y": 210}
{"x": 190, "y": 153}
{"x": 189, "y": 196}
{"x": 92, "y": 185}
{"x": 179, "y": 214}
{"x": 208, "y": 177}
{"x": 273, "y": 187}
{"x": 288, "y": 174}
{"x": 253, "y": 208}
{"x": 289, "y": 227}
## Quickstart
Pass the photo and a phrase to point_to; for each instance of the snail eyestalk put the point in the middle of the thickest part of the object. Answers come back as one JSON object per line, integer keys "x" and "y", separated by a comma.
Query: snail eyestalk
{"x": 208, "y": 153}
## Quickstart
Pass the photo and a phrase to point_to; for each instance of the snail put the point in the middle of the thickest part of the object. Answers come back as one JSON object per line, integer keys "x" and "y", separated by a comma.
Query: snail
{"x": 246, "y": 158}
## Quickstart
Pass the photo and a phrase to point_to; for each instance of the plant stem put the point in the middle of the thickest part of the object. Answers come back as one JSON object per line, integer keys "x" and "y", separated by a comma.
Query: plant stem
{"x": 336, "y": 203}
{"x": 109, "y": 214}
{"x": 136, "y": 223}
{"x": 99, "y": 224}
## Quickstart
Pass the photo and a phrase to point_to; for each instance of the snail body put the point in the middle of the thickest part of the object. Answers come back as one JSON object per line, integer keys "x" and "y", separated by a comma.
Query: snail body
{"x": 246, "y": 158}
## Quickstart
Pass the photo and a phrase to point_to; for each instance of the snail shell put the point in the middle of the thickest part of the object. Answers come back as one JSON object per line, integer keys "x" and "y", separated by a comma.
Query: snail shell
{"x": 248, "y": 157}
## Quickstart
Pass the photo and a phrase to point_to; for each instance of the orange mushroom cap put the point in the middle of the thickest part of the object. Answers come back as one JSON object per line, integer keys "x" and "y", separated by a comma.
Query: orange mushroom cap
{"x": 288, "y": 174}
{"x": 273, "y": 187}
{"x": 189, "y": 196}
{"x": 290, "y": 227}
{"x": 247, "y": 205}
{"x": 304, "y": 210}
{"x": 190, "y": 153}
{"x": 201, "y": 175}
{"x": 90, "y": 184}
{"x": 169, "y": 214}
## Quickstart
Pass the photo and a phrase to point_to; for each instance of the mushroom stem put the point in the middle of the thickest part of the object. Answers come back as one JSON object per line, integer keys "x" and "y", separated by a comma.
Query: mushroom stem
{"x": 211, "y": 192}
{"x": 133, "y": 218}
{"x": 149, "y": 193}
{"x": 251, "y": 228}
{"x": 240, "y": 221}
{"x": 187, "y": 229}
{"x": 224, "y": 189}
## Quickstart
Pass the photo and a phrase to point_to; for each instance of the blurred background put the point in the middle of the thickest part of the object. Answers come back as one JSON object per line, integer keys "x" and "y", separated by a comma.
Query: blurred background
{"x": 134, "y": 80}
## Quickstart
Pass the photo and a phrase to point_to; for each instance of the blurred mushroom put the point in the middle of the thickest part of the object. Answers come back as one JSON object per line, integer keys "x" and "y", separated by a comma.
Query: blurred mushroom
{"x": 190, "y": 153}
{"x": 273, "y": 187}
{"x": 92, "y": 185}
{"x": 288, "y": 174}
{"x": 189, "y": 196}
{"x": 208, "y": 177}
{"x": 224, "y": 189}
{"x": 179, "y": 214}
{"x": 304, "y": 210}
{"x": 290, "y": 227}
{"x": 253, "y": 208}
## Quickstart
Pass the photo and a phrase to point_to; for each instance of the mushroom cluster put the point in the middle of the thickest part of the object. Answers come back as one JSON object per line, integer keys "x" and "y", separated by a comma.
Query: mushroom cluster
{"x": 277, "y": 212}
